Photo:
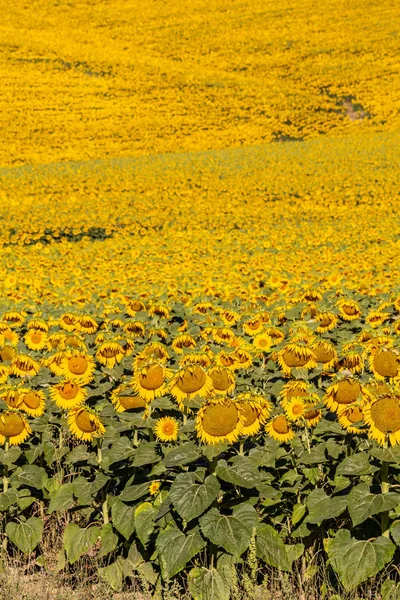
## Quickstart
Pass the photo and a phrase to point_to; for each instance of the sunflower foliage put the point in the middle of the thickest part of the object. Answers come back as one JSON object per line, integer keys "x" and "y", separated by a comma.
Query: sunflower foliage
{"x": 193, "y": 440}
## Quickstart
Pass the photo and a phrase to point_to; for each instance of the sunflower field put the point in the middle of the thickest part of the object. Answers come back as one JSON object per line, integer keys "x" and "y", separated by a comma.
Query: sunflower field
{"x": 199, "y": 294}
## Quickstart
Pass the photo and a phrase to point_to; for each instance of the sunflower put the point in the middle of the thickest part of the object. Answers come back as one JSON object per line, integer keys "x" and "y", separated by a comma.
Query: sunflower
{"x": 325, "y": 353}
{"x": 14, "y": 318}
{"x": 349, "y": 309}
{"x": 159, "y": 310}
{"x": 203, "y": 307}
{"x": 85, "y": 424}
{"x": 68, "y": 321}
{"x": 223, "y": 335}
{"x": 109, "y": 354}
{"x": 155, "y": 350}
{"x": 229, "y": 317}
{"x": 295, "y": 408}
{"x": 32, "y": 402}
{"x": 35, "y": 339}
{"x": 189, "y": 382}
{"x": 383, "y": 417}
{"x": 376, "y": 318}
{"x": 14, "y": 427}
{"x": 295, "y": 355}
{"x": 263, "y": 342}
{"x": 348, "y": 416}
{"x": 225, "y": 359}
{"x": 124, "y": 400}
{"x": 134, "y": 306}
{"x": 11, "y": 396}
{"x": 385, "y": 363}
{"x": 166, "y": 429}
{"x": 312, "y": 416}
{"x": 24, "y": 365}
{"x": 68, "y": 394}
{"x": 87, "y": 324}
{"x": 150, "y": 381}
{"x": 223, "y": 380}
{"x": 54, "y": 363}
{"x": 182, "y": 341}
{"x": 4, "y": 372}
{"x": 219, "y": 421}
{"x": 255, "y": 409}
{"x": 38, "y": 324}
{"x": 78, "y": 366}
{"x": 253, "y": 326}
{"x": 74, "y": 341}
{"x": 10, "y": 337}
{"x": 311, "y": 296}
{"x": 157, "y": 332}
{"x": 344, "y": 392}
{"x": 7, "y": 353}
{"x": 293, "y": 389}
{"x": 243, "y": 359}
{"x": 200, "y": 358}
{"x": 135, "y": 328}
{"x": 154, "y": 488}
{"x": 275, "y": 334}
{"x": 352, "y": 361}
{"x": 327, "y": 321}
{"x": 278, "y": 428}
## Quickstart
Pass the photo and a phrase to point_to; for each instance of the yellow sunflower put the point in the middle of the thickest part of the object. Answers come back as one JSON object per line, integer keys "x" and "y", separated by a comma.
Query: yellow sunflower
{"x": 86, "y": 324}
{"x": 383, "y": 417}
{"x": 155, "y": 350}
{"x": 35, "y": 339}
{"x": 7, "y": 353}
{"x": 11, "y": 396}
{"x": 32, "y": 402}
{"x": 325, "y": 353}
{"x": 293, "y": 389}
{"x": 263, "y": 342}
{"x": 223, "y": 335}
{"x": 150, "y": 381}
{"x": 166, "y": 429}
{"x": 4, "y": 372}
{"x": 109, "y": 354}
{"x": 352, "y": 361}
{"x": 376, "y": 318}
{"x": 123, "y": 399}
{"x": 68, "y": 394}
{"x": 223, "y": 380}
{"x": 24, "y": 365}
{"x": 349, "y": 309}
{"x": 229, "y": 317}
{"x": 225, "y": 359}
{"x": 14, "y": 318}
{"x": 154, "y": 488}
{"x": 54, "y": 363}
{"x": 85, "y": 424}
{"x": 189, "y": 382}
{"x": 200, "y": 358}
{"x": 55, "y": 340}
{"x": 78, "y": 366}
{"x": 279, "y": 429}
{"x": 255, "y": 409}
{"x": 312, "y": 416}
{"x": 348, "y": 416}
{"x": 253, "y": 327}
{"x": 135, "y": 328}
{"x": 219, "y": 421}
{"x": 183, "y": 341}
{"x": 295, "y": 408}
{"x": 134, "y": 306}
{"x": 295, "y": 355}
{"x": 159, "y": 310}
{"x": 68, "y": 321}
{"x": 342, "y": 393}
{"x": 275, "y": 334}
{"x": 385, "y": 363}
{"x": 242, "y": 358}
{"x": 38, "y": 324}
{"x": 10, "y": 337}
{"x": 14, "y": 427}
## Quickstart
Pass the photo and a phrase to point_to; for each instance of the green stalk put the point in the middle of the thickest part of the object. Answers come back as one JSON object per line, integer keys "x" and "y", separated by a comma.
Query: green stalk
{"x": 385, "y": 489}
{"x": 241, "y": 448}
{"x": 5, "y": 489}
{"x": 104, "y": 503}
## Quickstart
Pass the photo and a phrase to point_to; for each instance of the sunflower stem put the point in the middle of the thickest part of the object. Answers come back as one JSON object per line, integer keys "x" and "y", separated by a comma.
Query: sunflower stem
{"x": 104, "y": 503}
{"x": 307, "y": 439}
{"x": 241, "y": 448}
{"x": 385, "y": 489}
{"x": 5, "y": 489}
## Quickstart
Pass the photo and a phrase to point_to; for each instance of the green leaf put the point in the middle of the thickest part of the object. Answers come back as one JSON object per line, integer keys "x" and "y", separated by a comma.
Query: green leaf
{"x": 29, "y": 475}
{"x": 176, "y": 549}
{"x": 11, "y": 456}
{"x": 395, "y": 532}
{"x": 298, "y": 513}
{"x": 123, "y": 518}
{"x": 357, "y": 464}
{"x": 78, "y": 542}
{"x": 242, "y": 471}
{"x": 84, "y": 489}
{"x": 145, "y": 514}
{"x": 26, "y": 536}
{"x": 355, "y": 560}
{"x": 182, "y": 455}
{"x": 315, "y": 456}
{"x": 270, "y": 547}
{"x": 63, "y": 498}
{"x": 190, "y": 498}
{"x": 133, "y": 492}
{"x": 207, "y": 584}
{"x": 363, "y": 504}
{"x": 7, "y": 499}
{"x": 321, "y": 507}
{"x": 146, "y": 454}
{"x": 109, "y": 540}
{"x": 232, "y": 532}
{"x": 120, "y": 450}
{"x": 113, "y": 574}
{"x": 78, "y": 454}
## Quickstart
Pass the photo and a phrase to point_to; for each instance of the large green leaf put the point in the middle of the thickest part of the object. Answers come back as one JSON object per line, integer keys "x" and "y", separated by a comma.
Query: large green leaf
{"x": 182, "y": 455}
{"x": 78, "y": 541}
{"x": 321, "y": 507}
{"x": 176, "y": 549}
{"x": 232, "y": 532}
{"x": 207, "y": 584}
{"x": 133, "y": 492}
{"x": 190, "y": 498}
{"x": 363, "y": 504}
{"x": 62, "y": 498}
{"x": 25, "y": 535}
{"x": 145, "y": 514}
{"x": 113, "y": 574}
{"x": 146, "y": 454}
{"x": 357, "y": 560}
{"x": 242, "y": 471}
{"x": 357, "y": 464}
{"x": 120, "y": 450}
{"x": 108, "y": 539}
{"x": 123, "y": 518}
{"x": 30, "y": 476}
{"x": 84, "y": 489}
{"x": 271, "y": 548}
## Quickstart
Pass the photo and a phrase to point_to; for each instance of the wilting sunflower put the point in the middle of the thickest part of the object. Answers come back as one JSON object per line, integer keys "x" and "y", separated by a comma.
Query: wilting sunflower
{"x": 376, "y": 318}
{"x": 243, "y": 359}
{"x": 200, "y": 358}
{"x": 219, "y": 421}
{"x": 4, "y": 372}
{"x": 263, "y": 342}
{"x": 24, "y": 365}
{"x": 255, "y": 409}
{"x": 11, "y": 395}
{"x": 225, "y": 360}
{"x": 159, "y": 310}
{"x": 223, "y": 380}
{"x": 189, "y": 382}
{"x": 85, "y": 424}
{"x": 55, "y": 341}
{"x": 32, "y": 402}
{"x": 157, "y": 332}
{"x": 123, "y": 399}
{"x": 295, "y": 355}
{"x": 279, "y": 429}
{"x": 352, "y": 359}
{"x": 78, "y": 366}
{"x": 135, "y": 328}
{"x": 166, "y": 429}
{"x": 150, "y": 381}
{"x": 223, "y": 335}
{"x": 311, "y": 296}
{"x": 294, "y": 389}
{"x": 10, "y": 337}
{"x": 14, "y": 318}
{"x": 14, "y": 427}
{"x": 35, "y": 339}
{"x": 325, "y": 353}
{"x": 7, "y": 353}
{"x": 348, "y": 416}
{"x": 183, "y": 341}
{"x": 203, "y": 307}
{"x": 229, "y": 317}
{"x": 155, "y": 350}
{"x": 54, "y": 363}
{"x": 327, "y": 321}
{"x": 312, "y": 416}
{"x": 109, "y": 354}
{"x": 134, "y": 306}
{"x": 68, "y": 394}
{"x": 74, "y": 341}
{"x": 275, "y": 334}
{"x": 349, "y": 309}
{"x": 385, "y": 363}
{"x": 253, "y": 327}
{"x": 38, "y": 324}
{"x": 68, "y": 321}
{"x": 342, "y": 393}
{"x": 383, "y": 417}
{"x": 86, "y": 324}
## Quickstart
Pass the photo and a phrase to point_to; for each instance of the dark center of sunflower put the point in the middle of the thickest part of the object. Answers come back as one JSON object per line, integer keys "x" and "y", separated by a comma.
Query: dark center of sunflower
{"x": 110, "y": 352}
{"x": 77, "y": 365}
{"x": 386, "y": 363}
{"x": 68, "y": 391}
{"x": 222, "y": 380}
{"x": 153, "y": 378}
{"x": 191, "y": 380}
{"x": 131, "y": 402}
{"x": 11, "y": 425}
{"x": 280, "y": 425}
{"x": 311, "y": 414}
{"x": 36, "y": 337}
{"x": 253, "y": 325}
{"x": 85, "y": 422}
{"x": 385, "y": 414}
{"x": 323, "y": 354}
{"x": 355, "y": 414}
{"x": 347, "y": 392}
{"x": 292, "y": 359}
{"x": 23, "y": 364}
{"x": 220, "y": 419}
{"x": 349, "y": 310}
{"x": 297, "y": 408}
{"x": 31, "y": 399}
{"x": 250, "y": 414}
{"x": 72, "y": 341}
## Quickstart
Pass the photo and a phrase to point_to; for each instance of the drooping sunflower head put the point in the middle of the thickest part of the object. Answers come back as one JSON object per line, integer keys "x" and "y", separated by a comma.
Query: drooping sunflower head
{"x": 110, "y": 353}
{"x": 255, "y": 409}
{"x": 68, "y": 321}
{"x": 155, "y": 351}
{"x": 223, "y": 335}
{"x": 38, "y": 324}
{"x": 123, "y": 399}
{"x": 150, "y": 381}
{"x": 225, "y": 359}
{"x": 229, "y": 317}
{"x": 159, "y": 310}
{"x": 85, "y": 424}
{"x": 253, "y": 326}
{"x": 279, "y": 429}
{"x": 135, "y": 328}
{"x": 351, "y": 418}
{"x": 86, "y": 324}
{"x": 325, "y": 353}
{"x": 24, "y": 365}
{"x": 9, "y": 336}
{"x": 295, "y": 355}
{"x": 14, "y": 318}
{"x": 68, "y": 394}
{"x": 223, "y": 380}
{"x": 352, "y": 359}
{"x": 376, "y": 318}
{"x": 189, "y": 382}
{"x": 326, "y": 321}
{"x": 11, "y": 396}
{"x": 243, "y": 358}
{"x": 343, "y": 393}
{"x": 311, "y": 296}
{"x": 78, "y": 366}
{"x": 219, "y": 421}
{"x": 14, "y": 427}
{"x": 32, "y": 402}
{"x": 166, "y": 429}
{"x": 275, "y": 334}
{"x": 383, "y": 417}
{"x": 182, "y": 342}
{"x": 134, "y": 306}
{"x": 385, "y": 363}
{"x": 200, "y": 358}
{"x": 349, "y": 309}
